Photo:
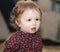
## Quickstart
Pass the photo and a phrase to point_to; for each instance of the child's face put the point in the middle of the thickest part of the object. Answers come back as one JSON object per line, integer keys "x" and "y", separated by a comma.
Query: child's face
{"x": 29, "y": 21}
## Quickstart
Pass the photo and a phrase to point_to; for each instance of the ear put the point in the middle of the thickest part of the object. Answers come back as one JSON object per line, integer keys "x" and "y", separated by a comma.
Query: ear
{"x": 17, "y": 23}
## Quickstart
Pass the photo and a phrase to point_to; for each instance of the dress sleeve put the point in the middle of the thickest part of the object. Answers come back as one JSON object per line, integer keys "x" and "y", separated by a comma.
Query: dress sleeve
{"x": 11, "y": 45}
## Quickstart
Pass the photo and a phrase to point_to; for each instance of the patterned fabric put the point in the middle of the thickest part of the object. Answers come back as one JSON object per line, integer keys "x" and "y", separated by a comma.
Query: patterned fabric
{"x": 23, "y": 42}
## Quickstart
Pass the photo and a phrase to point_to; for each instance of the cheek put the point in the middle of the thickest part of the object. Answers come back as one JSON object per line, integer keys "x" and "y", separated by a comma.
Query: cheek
{"x": 38, "y": 24}
{"x": 26, "y": 25}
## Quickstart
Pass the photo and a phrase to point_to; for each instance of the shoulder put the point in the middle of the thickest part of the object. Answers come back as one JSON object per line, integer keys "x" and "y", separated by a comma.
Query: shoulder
{"x": 11, "y": 35}
{"x": 12, "y": 40}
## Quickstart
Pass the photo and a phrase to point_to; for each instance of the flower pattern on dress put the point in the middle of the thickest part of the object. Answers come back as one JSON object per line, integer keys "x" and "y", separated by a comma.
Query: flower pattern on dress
{"x": 23, "y": 42}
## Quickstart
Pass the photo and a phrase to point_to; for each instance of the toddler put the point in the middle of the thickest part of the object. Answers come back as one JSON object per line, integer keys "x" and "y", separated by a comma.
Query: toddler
{"x": 26, "y": 18}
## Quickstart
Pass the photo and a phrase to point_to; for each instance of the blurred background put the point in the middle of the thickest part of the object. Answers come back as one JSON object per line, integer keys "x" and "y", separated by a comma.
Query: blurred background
{"x": 50, "y": 22}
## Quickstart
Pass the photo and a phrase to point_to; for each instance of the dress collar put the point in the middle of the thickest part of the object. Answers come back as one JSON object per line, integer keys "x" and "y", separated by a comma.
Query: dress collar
{"x": 26, "y": 34}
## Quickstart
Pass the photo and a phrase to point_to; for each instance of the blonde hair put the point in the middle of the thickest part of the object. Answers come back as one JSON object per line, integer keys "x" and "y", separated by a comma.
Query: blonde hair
{"x": 19, "y": 8}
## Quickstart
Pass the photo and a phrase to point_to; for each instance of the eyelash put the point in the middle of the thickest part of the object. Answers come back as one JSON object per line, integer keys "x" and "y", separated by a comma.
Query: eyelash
{"x": 37, "y": 19}
{"x": 30, "y": 19}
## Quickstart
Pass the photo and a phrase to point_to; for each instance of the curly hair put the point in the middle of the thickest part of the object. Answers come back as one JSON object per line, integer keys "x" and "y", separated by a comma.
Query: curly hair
{"x": 19, "y": 8}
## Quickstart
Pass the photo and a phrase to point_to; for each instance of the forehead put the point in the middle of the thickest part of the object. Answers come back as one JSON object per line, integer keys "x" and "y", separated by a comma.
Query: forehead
{"x": 31, "y": 13}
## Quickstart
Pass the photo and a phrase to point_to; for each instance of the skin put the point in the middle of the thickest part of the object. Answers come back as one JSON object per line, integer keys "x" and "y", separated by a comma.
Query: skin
{"x": 29, "y": 22}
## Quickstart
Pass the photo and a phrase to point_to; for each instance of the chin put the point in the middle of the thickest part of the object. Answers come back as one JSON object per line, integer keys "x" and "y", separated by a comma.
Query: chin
{"x": 33, "y": 32}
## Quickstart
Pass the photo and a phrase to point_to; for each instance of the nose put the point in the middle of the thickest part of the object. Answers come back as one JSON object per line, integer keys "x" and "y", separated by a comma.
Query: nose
{"x": 33, "y": 23}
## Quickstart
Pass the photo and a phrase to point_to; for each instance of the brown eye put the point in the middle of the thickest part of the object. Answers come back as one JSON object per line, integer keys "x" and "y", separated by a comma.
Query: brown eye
{"x": 37, "y": 19}
{"x": 29, "y": 20}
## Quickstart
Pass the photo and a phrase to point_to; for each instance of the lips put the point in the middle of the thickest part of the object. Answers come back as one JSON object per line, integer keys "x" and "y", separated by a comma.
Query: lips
{"x": 33, "y": 29}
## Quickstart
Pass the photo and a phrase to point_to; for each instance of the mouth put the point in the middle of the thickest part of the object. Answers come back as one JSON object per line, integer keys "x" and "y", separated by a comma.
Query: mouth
{"x": 33, "y": 29}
